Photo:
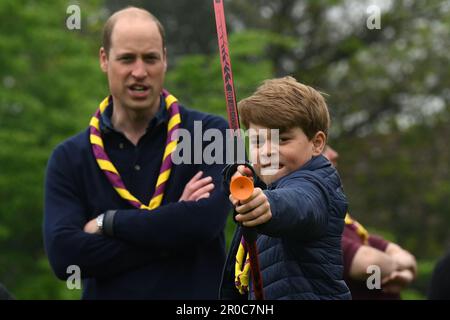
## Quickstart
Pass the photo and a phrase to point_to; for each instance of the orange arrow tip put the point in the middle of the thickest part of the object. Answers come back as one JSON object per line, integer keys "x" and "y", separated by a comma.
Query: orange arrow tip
{"x": 241, "y": 187}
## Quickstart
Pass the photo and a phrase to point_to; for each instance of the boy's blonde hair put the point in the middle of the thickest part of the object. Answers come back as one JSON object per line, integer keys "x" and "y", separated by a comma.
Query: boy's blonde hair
{"x": 283, "y": 104}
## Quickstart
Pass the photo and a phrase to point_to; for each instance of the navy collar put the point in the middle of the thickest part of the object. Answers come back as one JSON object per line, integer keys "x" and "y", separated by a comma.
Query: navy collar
{"x": 161, "y": 116}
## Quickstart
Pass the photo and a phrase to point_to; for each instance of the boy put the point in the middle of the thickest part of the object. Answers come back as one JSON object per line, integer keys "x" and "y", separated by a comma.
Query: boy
{"x": 300, "y": 217}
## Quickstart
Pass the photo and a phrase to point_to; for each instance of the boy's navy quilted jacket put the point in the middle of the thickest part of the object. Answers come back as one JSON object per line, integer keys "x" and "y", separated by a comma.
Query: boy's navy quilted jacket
{"x": 300, "y": 247}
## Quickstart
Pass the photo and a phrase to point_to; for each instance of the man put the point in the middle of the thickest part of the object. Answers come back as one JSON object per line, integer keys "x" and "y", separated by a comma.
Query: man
{"x": 136, "y": 225}
{"x": 362, "y": 250}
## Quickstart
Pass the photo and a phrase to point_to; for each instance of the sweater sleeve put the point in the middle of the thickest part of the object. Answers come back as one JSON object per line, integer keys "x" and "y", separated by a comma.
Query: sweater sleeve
{"x": 65, "y": 241}
{"x": 179, "y": 225}
{"x": 299, "y": 209}
{"x": 175, "y": 225}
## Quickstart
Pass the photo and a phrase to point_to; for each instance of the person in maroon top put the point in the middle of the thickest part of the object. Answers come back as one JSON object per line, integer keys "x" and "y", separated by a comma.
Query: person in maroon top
{"x": 361, "y": 250}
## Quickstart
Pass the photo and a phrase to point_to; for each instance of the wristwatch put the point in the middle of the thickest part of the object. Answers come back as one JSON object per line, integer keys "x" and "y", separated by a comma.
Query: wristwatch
{"x": 99, "y": 221}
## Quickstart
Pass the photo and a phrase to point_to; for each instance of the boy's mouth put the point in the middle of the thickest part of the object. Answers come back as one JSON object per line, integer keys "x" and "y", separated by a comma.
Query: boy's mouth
{"x": 269, "y": 167}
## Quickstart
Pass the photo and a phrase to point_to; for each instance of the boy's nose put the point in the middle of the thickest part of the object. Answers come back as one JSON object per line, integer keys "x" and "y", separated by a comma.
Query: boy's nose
{"x": 267, "y": 149}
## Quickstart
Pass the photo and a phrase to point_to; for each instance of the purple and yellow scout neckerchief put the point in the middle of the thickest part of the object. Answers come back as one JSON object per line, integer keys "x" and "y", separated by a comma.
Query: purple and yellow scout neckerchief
{"x": 242, "y": 268}
{"x": 110, "y": 170}
{"x": 358, "y": 228}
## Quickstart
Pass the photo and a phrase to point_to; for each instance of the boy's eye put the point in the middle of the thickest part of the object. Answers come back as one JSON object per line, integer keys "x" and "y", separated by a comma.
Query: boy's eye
{"x": 257, "y": 141}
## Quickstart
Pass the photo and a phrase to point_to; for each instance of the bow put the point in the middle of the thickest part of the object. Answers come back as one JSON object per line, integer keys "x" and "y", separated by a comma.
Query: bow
{"x": 249, "y": 234}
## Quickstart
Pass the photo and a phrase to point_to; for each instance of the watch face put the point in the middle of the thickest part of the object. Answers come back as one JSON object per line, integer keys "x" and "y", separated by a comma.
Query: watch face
{"x": 100, "y": 221}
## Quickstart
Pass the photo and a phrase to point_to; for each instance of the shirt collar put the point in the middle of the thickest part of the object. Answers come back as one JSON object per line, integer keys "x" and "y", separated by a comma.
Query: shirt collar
{"x": 161, "y": 116}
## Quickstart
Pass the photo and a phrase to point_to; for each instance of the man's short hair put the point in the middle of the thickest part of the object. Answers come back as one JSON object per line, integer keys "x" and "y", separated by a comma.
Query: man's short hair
{"x": 111, "y": 22}
{"x": 283, "y": 104}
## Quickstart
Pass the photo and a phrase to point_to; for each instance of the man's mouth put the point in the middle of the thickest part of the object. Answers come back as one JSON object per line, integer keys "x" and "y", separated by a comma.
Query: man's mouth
{"x": 138, "y": 88}
{"x": 139, "y": 91}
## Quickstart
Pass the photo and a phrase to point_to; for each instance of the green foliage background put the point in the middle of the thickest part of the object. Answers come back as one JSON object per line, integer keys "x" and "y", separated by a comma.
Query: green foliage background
{"x": 388, "y": 92}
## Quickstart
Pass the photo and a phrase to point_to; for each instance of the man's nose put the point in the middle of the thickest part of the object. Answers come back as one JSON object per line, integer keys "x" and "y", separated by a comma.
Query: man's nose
{"x": 139, "y": 71}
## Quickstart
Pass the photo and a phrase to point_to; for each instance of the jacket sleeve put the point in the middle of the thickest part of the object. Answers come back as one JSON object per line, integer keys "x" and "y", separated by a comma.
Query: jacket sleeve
{"x": 65, "y": 241}
{"x": 299, "y": 209}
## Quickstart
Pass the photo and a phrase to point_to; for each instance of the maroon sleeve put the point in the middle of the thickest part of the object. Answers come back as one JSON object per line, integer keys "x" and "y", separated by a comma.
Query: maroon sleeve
{"x": 378, "y": 242}
{"x": 350, "y": 245}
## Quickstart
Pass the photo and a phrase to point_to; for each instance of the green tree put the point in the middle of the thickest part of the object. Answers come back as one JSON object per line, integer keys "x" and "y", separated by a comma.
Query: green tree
{"x": 50, "y": 84}
{"x": 388, "y": 95}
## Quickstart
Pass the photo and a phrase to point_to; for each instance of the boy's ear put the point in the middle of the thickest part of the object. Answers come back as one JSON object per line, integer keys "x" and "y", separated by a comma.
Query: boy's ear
{"x": 319, "y": 141}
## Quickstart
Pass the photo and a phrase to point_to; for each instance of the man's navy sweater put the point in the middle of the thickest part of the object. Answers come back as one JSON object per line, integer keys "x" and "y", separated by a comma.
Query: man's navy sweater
{"x": 176, "y": 251}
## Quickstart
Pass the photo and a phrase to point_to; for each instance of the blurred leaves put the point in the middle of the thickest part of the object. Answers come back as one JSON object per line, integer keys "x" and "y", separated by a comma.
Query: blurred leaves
{"x": 49, "y": 85}
{"x": 388, "y": 95}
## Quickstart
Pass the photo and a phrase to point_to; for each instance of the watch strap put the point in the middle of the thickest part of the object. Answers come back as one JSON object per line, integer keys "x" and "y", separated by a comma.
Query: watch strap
{"x": 108, "y": 222}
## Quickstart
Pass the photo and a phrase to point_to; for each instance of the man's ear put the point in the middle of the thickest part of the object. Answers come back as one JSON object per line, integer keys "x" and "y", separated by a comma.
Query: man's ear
{"x": 319, "y": 141}
{"x": 103, "y": 59}
{"x": 165, "y": 59}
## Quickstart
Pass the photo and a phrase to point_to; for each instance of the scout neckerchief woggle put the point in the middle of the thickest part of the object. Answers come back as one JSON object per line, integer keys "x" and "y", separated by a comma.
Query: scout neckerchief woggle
{"x": 110, "y": 170}
{"x": 247, "y": 256}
